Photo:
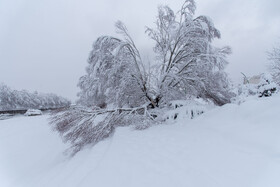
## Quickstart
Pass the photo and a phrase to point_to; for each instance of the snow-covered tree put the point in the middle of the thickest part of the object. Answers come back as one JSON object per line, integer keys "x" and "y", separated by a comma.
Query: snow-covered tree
{"x": 274, "y": 66}
{"x": 23, "y": 100}
{"x": 187, "y": 63}
{"x": 115, "y": 74}
{"x": 118, "y": 87}
{"x": 6, "y": 98}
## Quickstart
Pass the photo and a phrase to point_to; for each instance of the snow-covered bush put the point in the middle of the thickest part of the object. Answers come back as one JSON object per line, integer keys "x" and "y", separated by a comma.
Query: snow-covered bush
{"x": 259, "y": 86}
{"x": 185, "y": 109}
{"x": 120, "y": 89}
{"x": 22, "y": 100}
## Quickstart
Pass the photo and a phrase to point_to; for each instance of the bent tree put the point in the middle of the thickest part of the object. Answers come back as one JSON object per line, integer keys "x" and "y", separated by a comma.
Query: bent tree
{"x": 118, "y": 89}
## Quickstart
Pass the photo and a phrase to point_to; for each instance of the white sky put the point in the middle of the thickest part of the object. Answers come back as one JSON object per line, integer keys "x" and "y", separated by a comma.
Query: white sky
{"x": 44, "y": 44}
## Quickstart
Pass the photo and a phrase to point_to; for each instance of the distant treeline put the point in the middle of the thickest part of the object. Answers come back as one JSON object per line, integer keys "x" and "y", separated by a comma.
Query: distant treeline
{"x": 22, "y": 100}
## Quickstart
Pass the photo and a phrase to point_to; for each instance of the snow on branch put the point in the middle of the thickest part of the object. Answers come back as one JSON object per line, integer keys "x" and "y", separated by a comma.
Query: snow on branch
{"x": 82, "y": 126}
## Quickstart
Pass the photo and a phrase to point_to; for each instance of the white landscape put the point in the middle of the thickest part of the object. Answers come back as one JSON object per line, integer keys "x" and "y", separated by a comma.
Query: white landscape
{"x": 233, "y": 145}
{"x": 143, "y": 93}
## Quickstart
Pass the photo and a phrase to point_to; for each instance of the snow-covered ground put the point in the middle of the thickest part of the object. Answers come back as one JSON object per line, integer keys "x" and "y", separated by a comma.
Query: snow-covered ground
{"x": 229, "y": 146}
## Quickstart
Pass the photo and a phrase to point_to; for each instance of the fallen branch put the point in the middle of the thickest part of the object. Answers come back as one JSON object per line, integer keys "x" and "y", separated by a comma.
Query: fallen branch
{"x": 84, "y": 126}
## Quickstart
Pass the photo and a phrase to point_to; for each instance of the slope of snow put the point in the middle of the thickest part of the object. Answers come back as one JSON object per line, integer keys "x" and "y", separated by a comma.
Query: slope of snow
{"x": 233, "y": 145}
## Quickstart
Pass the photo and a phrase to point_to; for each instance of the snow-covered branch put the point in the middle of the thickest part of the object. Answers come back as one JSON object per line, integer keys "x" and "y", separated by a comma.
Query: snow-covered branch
{"x": 83, "y": 126}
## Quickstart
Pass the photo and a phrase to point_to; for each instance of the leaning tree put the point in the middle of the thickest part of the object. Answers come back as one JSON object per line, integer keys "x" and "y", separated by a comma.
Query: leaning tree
{"x": 118, "y": 89}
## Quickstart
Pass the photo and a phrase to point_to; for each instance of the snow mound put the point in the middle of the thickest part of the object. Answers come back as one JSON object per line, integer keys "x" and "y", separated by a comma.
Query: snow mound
{"x": 5, "y": 116}
{"x": 234, "y": 145}
{"x": 185, "y": 109}
{"x": 33, "y": 112}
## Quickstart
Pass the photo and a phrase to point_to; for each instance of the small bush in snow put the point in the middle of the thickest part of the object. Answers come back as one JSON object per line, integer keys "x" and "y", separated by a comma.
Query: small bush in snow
{"x": 185, "y": 109}
{"x": 261, "y": 86}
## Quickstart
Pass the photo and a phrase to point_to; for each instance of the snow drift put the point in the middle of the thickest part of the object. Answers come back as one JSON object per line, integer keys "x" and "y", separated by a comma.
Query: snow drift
{"x": 233, "y": 145}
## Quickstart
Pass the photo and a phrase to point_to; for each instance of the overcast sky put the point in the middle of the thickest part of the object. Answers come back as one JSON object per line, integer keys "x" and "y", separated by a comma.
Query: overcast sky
{"x": 44, "y": 44}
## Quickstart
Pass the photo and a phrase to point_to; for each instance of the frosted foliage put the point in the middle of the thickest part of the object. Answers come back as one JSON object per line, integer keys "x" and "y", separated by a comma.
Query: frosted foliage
{"x": 112, "y": 77}
{"x": 274, "y": 66}
{"x": 186, "y": 61}
{"x": 22, "y": 100}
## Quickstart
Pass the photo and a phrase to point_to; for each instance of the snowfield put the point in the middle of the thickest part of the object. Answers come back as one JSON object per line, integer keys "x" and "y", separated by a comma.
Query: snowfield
{"x": 229, "y": 146}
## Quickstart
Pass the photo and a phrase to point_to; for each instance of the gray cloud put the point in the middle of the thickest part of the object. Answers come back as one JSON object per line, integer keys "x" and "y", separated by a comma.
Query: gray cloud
{"x": 44, "y": 44}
